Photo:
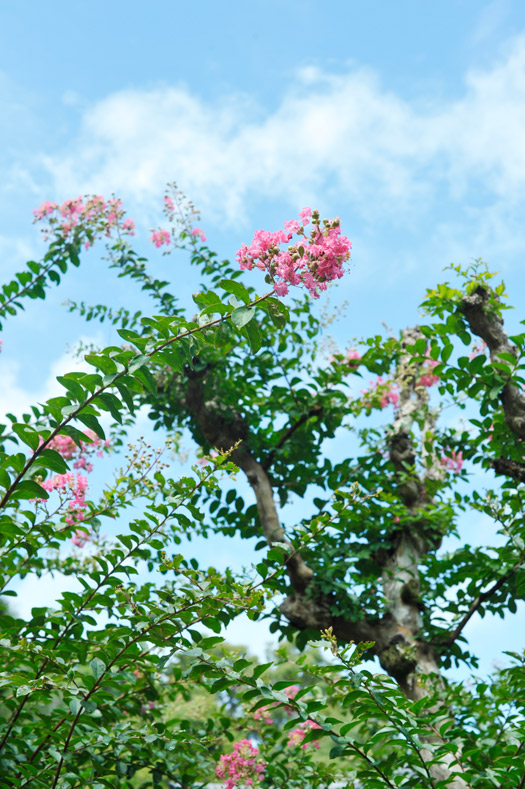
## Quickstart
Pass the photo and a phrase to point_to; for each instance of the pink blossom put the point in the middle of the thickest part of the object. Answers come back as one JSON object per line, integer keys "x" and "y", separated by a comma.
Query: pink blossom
{"x": 292, "y": 691}
{"x": 168, "y": 204}
{"x": 428, "y": 378}
{"x": 298, "y": 734}
{"x": 281, "y": 289}
{"x": 453, "y": 462}
{"x": 151, "y": 706}
{"x": 44, "y": 209}
{"x": 71, "y": 208}
{"x": 76, "y": 486}
{"x": 306, "y": 215}
{"x": 80, "y": 538}
{"x": 89, "y": 217}
{"x": 242, "y": 766}
{"x": 382, "y": 393}
{"x": 353, "y": 357}
{"x": 196, "y": 231}
{"x": 312, "y": 261}
{"x": 292, "y": 226}
{"x": 160, "y": 237}
{"x": 66, "y": 447}
{"x": 262, "y": 714}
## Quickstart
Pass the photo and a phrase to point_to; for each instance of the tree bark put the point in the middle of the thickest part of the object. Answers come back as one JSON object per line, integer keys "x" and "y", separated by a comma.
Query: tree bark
{"x": 487, "y": 323}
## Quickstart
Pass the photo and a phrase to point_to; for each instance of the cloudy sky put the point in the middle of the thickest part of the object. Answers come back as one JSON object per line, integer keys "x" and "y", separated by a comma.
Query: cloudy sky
{"x": 406, "y": 119}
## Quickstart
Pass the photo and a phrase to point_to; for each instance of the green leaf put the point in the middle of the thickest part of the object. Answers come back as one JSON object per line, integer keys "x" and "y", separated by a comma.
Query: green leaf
{"x": 49, "y": 458}
{"x": 98, "y": 667}
{"x": 27, "y": 434}
{"x": 101, "y": 362}
{"x": 74, "y": 705}
{"x": 73, "y": 386}
{"x": 92, "y": 422}
{"x": 241, "y": 316}
{"x": 28, "y": 489}
{"x": 258, "y": 670}
{"x": 253, "y": 333}
{"x": 446, "y": 352}
{"x": 237, "y": 288}
{"x": 146, "y": 378}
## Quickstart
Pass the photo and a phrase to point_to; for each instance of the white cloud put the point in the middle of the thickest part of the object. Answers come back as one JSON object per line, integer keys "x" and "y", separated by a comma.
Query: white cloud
{"x": 16, "y": 398}
{"x": 330, "y": 133}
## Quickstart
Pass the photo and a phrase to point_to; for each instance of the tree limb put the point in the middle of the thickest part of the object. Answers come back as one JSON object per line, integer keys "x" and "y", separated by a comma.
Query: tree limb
{"x": 488, "y": 324}
{"x": 479, "y": 600}
{"x": 315, "y": 410}
{"x": 509, "y": 468}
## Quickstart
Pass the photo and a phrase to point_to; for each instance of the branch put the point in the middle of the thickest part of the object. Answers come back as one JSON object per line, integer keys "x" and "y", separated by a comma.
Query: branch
{"x": 509, "y": 468}
{"x": 480, "y": 599}
{"x": 315, "y": 410}
{"x": 488, "y": 324}
{"x": 226, "y": 429}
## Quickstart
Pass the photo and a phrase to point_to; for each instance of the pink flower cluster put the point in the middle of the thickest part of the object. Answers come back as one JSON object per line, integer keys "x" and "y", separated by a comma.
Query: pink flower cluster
{"x": 428, "y": 378}
{"x": 80, "y": 538}
{"x": 181, "y": 215}
{"x": 242, "y": 767}
{"x": 151, "y": 706}
{"x": 64, "y": 483}
{"x": 312, "y": 260}
{"x": 66, "y": 447}
{"x": 453, "y": 462}
{"x": 384, "y": 392}
{"x": 298, "y": 734}
{"x": 263, "y": 712}
{"x": 196, "y": 231}
{"x": 161, "y": 237}
{"x": 353, "y": 357}
{"x": 92, "y": 214}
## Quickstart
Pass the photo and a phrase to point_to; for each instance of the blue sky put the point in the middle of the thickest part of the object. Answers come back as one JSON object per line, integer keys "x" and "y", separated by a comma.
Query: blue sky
{"x": 406, "y": 119}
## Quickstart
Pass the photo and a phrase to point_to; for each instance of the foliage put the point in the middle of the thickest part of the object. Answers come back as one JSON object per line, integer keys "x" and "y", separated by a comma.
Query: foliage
{"x": 128, "y": 681}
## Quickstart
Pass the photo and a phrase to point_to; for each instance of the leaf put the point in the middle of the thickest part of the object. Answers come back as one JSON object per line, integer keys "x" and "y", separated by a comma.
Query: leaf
{"x": 27, "y": 434}
{"x": 98, "y": 667}
{"x": 237, "y": 288}
{"x": 241, "y": 316}
{"x": 146, "y": 378}
{"x": 258, "y": 670}
{"x": 253, "y": 333}
{"x": 446, "y": 352}
{"x": 92, "y": 422}
{"x": 73, "y": 386}
{"x": 213, "y": 624}
{"x": 28, "y": 489}
{"x": 101, "y": 362}
{"x": 74, "y": 706}
{"x": 24, "y": 690}
{"x": 49, "y": 458}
